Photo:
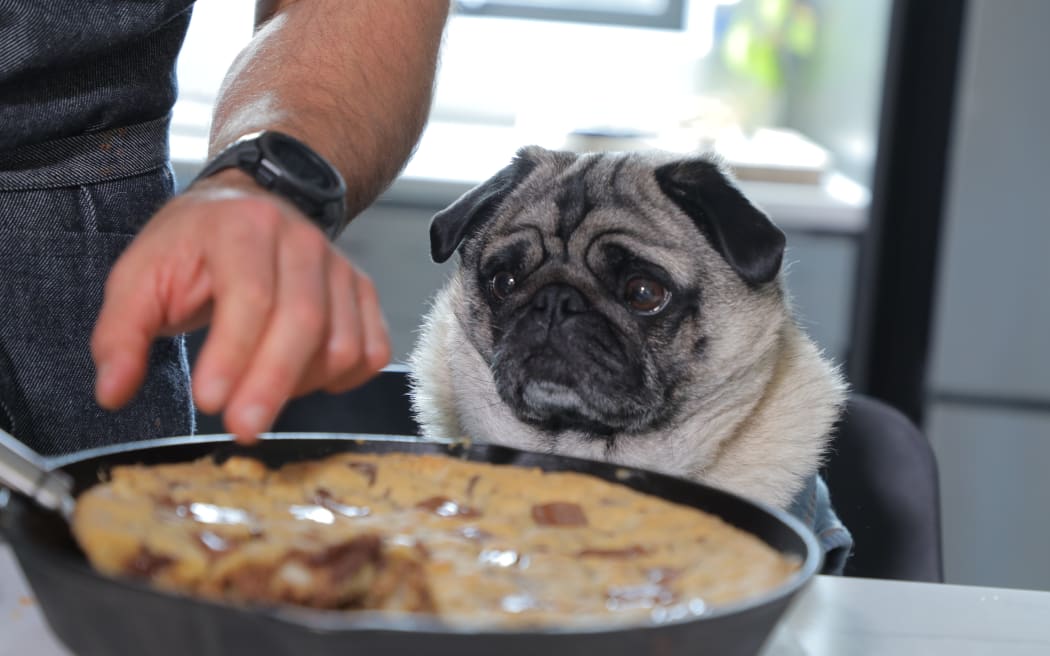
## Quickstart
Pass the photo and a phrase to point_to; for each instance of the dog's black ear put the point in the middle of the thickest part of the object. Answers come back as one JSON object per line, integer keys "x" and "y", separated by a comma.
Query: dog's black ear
{"x": 739, "y": 231}
{"x": 452, "y": 225}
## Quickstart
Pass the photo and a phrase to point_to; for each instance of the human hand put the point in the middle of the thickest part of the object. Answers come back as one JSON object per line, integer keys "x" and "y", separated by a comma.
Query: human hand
{"x": 289, "y": 314}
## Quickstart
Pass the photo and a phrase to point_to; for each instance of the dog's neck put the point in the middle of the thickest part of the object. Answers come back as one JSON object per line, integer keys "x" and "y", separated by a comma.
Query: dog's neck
{"x": 768, "y": 449}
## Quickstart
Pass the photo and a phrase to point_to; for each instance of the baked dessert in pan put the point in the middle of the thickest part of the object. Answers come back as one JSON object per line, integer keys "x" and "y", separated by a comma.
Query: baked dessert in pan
{"x": 473, "y": 543}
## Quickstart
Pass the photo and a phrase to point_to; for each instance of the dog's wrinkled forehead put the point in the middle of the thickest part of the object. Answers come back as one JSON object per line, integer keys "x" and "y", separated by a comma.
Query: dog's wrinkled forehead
{"x": 557, "y": 191}
{"x": 568, "y": 205}
{"x": 576, "y": 186}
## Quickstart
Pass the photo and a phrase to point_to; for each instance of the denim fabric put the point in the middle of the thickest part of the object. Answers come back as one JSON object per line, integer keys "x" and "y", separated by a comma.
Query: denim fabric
{"x": 56, "y": 248}
{"x": 86, "y": 89}
{"x": 813, "y": 508}
{"x": 76, "y": 67}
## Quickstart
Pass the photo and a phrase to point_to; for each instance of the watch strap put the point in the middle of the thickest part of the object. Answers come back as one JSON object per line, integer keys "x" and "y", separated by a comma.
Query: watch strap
{"x": 247, "y": 154}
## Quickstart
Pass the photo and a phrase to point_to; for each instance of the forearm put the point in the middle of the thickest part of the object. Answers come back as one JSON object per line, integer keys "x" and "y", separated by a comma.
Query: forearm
{"x": 351, "y": 78}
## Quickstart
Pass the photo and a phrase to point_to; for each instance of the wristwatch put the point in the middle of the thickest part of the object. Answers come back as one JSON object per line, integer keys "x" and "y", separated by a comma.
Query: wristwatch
{"x": 291, "y": 169}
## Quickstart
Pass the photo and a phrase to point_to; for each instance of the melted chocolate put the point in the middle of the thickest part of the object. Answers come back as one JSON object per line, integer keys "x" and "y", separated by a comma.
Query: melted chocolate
{"x": 344, "y": 560}
{"x": 249, "y": 582}
{"x": 147, "y": 564}
{"x": 559, "y": 513}
{"x": 632, "y": 551}
{"x": 325, "y": 499}
{"x": 366, "y": 469}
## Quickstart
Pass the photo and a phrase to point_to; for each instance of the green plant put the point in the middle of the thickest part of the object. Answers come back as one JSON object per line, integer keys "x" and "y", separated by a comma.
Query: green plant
{"x": 763, "y": 36}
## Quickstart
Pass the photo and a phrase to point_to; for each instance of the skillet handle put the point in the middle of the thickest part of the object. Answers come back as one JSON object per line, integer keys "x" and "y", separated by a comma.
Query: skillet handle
{"x": 24, "y": 471}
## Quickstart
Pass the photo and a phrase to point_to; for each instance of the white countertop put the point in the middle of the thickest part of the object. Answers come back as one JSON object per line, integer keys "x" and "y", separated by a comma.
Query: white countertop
{"x": 453, "y": 157}
{"x": 833, "y": 617}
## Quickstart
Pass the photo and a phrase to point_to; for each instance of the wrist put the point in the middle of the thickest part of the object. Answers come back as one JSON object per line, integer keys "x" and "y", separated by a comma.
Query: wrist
{"x": 228, "y": 180}
{"x": 281, "y": 165}
{"x": 234, "y": 184}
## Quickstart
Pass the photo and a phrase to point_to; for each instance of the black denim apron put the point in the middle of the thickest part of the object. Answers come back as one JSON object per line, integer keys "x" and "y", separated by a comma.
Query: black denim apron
{"x": 86, "y": 89}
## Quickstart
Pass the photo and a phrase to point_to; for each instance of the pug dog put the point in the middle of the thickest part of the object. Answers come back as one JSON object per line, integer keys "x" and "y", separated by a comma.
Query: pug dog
{"x": 624, "y": 307}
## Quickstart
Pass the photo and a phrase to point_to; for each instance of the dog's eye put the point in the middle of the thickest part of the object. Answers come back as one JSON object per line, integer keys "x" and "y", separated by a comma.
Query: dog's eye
{"x": 645, "y": 295}
{"x": 502, "y": 284}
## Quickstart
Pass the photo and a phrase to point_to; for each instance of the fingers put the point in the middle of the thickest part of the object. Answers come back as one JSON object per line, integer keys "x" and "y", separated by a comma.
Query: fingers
{"x": 348, "y": 369}
{"x": 343, "y": 343}
{"x": 357, "y": 345}
{"x": 288, "y": 314}
{"x": 243, "y": 262}
{"x": 130, "y": 318}
{"x": 296, "y": 331}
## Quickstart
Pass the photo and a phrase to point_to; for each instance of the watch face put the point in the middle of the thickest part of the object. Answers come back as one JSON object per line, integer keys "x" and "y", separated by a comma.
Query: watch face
{"x": 301, "y": 162}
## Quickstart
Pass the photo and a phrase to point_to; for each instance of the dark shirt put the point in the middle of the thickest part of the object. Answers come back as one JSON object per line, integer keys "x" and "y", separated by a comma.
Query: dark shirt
{"x": 86, "y": 90}
{"x": 75, "y": 67}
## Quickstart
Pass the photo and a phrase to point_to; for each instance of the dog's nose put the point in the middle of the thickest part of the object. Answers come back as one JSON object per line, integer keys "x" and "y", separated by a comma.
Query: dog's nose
{"x": 555, "y": 303}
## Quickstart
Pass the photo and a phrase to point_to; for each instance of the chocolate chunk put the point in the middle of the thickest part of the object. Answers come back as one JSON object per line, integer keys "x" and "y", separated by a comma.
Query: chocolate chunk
{"x": 559, "y": 513}
{"x": 251, "y": 582}
{"x": 632, "y": 551}
{"x": 422, "y": 551}
{"x": 147, "y": 564}
{"x": 166, "y": 502}
{"x": 366, "y": 469}
{"x": 400, "y": 584}
{"x": 445, "y": 507}
{"x": 344, "y": 560}
{"x": 324, "y": 498}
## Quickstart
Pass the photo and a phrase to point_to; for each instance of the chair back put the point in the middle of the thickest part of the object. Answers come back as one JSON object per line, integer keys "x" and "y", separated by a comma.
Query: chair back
{"x": 883, "y": 480}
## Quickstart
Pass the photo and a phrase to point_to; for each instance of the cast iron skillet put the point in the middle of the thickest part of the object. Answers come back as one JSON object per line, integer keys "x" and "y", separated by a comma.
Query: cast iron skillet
{"x": 93, "y": 614}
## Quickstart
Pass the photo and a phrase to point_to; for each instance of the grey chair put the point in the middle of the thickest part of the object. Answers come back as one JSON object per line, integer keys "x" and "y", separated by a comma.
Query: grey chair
{"x": 882, "y": 476}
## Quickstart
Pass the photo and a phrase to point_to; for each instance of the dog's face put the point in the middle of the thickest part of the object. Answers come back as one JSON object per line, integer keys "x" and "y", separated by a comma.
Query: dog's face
{"x": 612, "y": 294}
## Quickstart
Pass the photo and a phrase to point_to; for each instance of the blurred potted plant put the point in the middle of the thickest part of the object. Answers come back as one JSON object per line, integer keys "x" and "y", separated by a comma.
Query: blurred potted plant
{"x": 761, "y": 44}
